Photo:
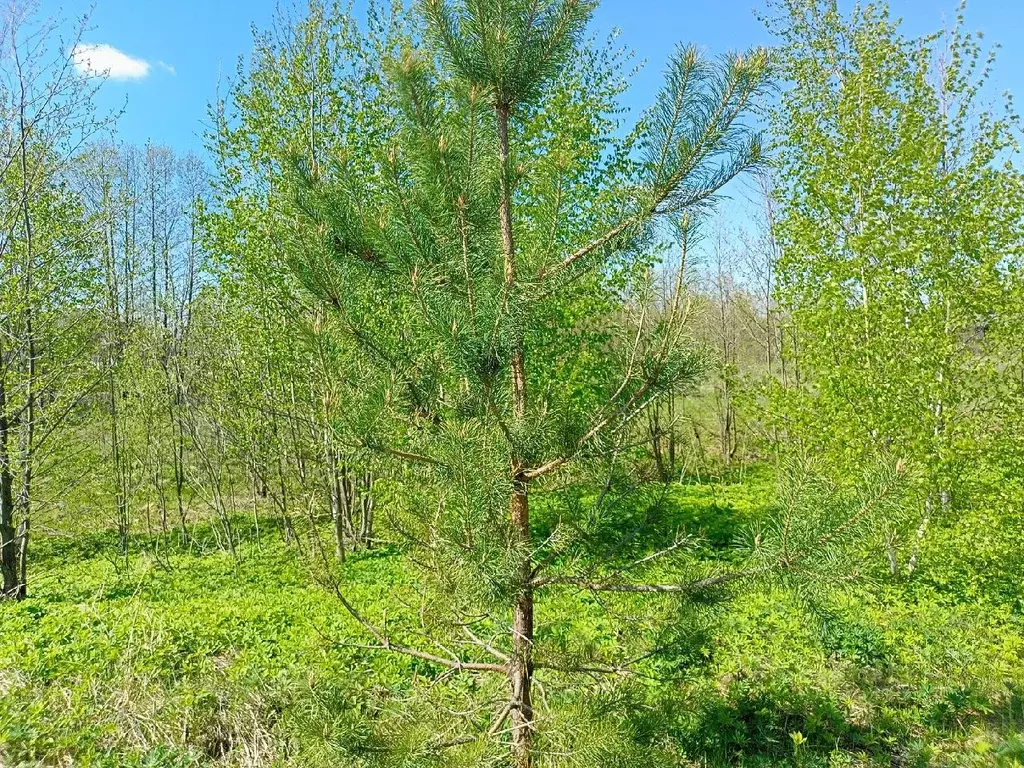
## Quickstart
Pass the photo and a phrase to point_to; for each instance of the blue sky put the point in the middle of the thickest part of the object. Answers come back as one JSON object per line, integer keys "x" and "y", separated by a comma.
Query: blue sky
{"x": 191, "y": 45}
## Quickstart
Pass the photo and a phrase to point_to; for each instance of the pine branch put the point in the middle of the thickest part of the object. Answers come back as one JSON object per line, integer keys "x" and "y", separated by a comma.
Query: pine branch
{"x": 385, "y": 643}
{"x": 692, "y": 587}
{"x": 745, "y": 78}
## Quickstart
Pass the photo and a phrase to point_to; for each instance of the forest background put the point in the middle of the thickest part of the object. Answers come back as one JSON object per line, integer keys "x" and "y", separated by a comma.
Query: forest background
{"x": 444, "y": 411}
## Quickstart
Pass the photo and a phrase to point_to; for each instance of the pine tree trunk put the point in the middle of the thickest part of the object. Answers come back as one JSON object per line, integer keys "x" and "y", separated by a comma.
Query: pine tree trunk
{"x": 521, "y": 662}
{"x": 520, "y": 668}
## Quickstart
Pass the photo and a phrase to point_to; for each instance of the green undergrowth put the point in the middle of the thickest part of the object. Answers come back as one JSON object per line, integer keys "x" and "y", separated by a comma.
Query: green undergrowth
{"x": 189, "y": 657}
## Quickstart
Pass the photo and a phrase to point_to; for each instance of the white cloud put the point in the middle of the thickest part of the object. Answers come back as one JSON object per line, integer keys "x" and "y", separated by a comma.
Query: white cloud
{"x": 102, "y": 59}
{"x": 166, "y": 67}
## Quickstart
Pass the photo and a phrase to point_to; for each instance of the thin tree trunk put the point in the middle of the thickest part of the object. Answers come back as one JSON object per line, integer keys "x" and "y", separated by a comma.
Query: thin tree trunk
{"x": 21, "y": 590}
{"x": 672, "y": 433}
{"x": 366, "y": 518}
{"x": 339, "y": 526}
{"x": 919, "y": 536}
{"x": 339, "y": 506}
{"x": 8, "y": 553}
{"x": 350, "y": 501}
{"x": 27, "y": 436}
{"x": 120, "y": 479}
{"x": 520, "y": 667}
{"x": 255, "y": 507}
{"x": 179, "y": 475}
{"x": 654, "y": 431}
{"x": 178, "y": 435}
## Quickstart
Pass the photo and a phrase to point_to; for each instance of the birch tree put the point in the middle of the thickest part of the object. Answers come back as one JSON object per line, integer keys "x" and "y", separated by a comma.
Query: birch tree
{"x": 900, "y": 232}
{"x": 46, "y": 244}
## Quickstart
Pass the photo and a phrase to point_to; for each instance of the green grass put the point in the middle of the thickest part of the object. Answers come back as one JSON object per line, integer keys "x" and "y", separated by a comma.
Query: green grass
{"x": 189, "y": 658}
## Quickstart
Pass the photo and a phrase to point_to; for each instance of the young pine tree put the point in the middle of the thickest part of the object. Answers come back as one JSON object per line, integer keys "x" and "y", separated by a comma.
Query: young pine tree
{"x": 490, "y": 257}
